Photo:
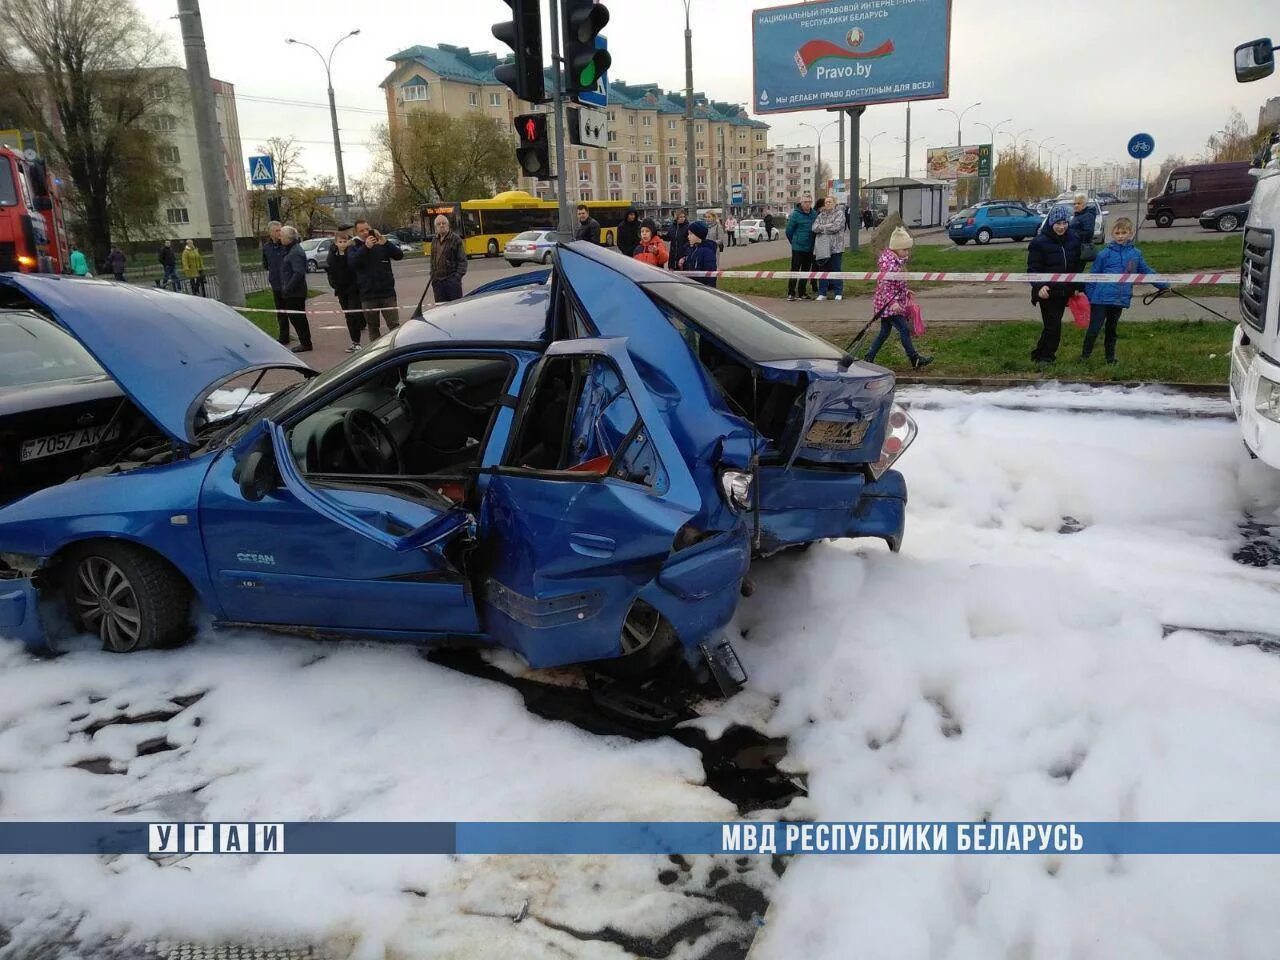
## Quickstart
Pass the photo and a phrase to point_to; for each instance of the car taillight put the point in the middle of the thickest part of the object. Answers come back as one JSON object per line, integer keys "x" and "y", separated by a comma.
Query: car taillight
{"x": 970, "y": 222}
{"x": 901, "y": 431}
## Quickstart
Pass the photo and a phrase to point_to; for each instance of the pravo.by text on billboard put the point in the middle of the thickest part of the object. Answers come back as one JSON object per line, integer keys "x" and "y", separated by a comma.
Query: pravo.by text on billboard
{"x": 812, "y": 56}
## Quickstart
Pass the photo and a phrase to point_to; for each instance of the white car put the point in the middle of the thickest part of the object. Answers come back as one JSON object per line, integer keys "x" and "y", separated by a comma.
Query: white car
{"x": 317, "y": 252}
{"x": 753, "y": 230}
{"x": 532, "y": 246}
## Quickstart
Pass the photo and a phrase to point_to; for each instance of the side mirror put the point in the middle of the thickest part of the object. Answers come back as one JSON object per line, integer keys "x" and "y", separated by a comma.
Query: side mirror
{"x": 256, "y": 473}
{"x": 1255, "y": 60}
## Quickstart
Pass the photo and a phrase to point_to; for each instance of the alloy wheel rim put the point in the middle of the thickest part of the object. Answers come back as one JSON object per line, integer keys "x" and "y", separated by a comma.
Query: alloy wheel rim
{"x": 108, "y": 604}
{"x": 639, "y": 628}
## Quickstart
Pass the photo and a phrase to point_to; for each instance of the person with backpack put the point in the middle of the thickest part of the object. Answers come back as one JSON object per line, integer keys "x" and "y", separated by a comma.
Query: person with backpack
{"x": 1108, "y": 300}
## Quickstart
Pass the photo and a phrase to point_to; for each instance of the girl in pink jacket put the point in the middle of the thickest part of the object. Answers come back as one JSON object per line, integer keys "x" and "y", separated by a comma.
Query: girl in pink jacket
{"x": 892, "y": 296}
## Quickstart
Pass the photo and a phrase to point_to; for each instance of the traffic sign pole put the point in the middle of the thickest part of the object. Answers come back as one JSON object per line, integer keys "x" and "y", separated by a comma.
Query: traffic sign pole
{"x": 1141, "y": 146}
{"x": 557, "y": 109}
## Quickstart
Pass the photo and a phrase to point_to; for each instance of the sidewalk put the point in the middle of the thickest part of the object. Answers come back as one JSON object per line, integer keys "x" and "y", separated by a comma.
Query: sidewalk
{"x": 982, "y": 303}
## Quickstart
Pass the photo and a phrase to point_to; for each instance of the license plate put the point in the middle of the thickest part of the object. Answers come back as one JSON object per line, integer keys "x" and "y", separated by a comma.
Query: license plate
{"x": 51, "y": 446}
{"x": 837, "y": 433}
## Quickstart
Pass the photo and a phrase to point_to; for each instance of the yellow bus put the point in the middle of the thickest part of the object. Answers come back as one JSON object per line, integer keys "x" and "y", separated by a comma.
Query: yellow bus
{"x": 487, "y": 225}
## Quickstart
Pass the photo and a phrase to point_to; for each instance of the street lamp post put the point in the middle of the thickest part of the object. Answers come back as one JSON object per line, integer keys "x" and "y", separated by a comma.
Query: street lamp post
{"x": 818, "y": 131}
{"x": 343, "y": 212}
{"x": 690, "y": 190}
{"x": 1039, "y": 151}
{"x": 959, "y": 118}
{"x": 991, "y": 133}
{"x": 870, "y": 143}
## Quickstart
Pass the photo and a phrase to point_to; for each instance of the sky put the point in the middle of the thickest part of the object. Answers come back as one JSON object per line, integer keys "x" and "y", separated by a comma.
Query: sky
{"x": 1088, "y": 73}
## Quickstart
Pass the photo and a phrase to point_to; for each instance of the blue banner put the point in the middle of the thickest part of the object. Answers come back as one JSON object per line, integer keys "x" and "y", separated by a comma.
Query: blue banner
{"x": 645, "y": 838}
{"x": 838, "y": 53}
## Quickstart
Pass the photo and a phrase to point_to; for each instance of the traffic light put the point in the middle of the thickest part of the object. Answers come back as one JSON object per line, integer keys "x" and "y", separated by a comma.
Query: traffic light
{"x": 582, "y": 21}
{"x": 523, "y": 34}
{"x": 534, "y": 153}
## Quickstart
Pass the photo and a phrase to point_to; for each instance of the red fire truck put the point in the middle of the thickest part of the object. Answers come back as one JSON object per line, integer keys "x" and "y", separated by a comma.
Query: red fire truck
{"x": 33, "y": 235}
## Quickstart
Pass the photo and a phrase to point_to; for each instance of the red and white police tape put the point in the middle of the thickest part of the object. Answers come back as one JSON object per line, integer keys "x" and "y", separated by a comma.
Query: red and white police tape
{"x": 1208, "y": 278}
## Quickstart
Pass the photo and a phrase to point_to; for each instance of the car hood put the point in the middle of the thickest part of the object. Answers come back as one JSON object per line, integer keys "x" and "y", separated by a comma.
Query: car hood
{"x": 167, "y": 351}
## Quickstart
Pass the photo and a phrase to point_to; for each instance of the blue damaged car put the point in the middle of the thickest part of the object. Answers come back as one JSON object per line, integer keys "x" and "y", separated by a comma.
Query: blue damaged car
{"x": 579, "y": 467}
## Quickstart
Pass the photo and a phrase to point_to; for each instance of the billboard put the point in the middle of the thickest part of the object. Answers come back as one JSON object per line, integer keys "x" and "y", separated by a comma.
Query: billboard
{"x": 838, "y": 53}
{"x": 954, "y": 163}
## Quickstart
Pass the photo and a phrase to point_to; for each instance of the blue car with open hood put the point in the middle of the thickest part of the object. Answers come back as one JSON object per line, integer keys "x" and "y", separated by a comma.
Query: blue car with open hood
{"x": 578, "y": 466}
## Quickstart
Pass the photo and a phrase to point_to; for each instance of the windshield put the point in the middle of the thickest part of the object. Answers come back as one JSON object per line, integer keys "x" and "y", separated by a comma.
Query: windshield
{"x": 753, "y": 333}
{"x": 967, "y": 212}
{"x": 8, "y": 192}
{"x": 33, "y": 350}
{"x": 529, "y": 235}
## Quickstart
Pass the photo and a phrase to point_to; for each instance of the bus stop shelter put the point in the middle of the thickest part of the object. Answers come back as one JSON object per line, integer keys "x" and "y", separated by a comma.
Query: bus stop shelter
{"x": 920, "y": 203}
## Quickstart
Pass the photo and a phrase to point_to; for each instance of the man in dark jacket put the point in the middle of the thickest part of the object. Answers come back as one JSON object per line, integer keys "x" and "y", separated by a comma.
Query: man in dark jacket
{"x": 1055, "y": 249}
{"x": 588, "y": 227}
{"x": 272, "y": 260}
{"x": 800, "y": 234}
{"x": 170, "y": 264}
{"x": 370, "y": 257}
{"x": 629, "y": 233}
{"x": 679, "y": 241}
{"x": 342, "y": 279}
{"x": 116, "y": 261}
{"x": 768, "y": 226}
{"x": 293, "y": 287}
{"x": 1083, "y": 219}
{"x": 448, "y": 262}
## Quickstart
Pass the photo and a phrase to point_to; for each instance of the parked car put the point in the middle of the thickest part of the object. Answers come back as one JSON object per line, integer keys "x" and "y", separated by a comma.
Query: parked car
{"x": 1200, "y": 186}
{"x": 1099, "y": 219}
{"x": 531, "y": 246}
{"x": 984, "y": 224}
{"x": 58, "y": 408}
{"x": 1107, "y": 199}
{"x": 317, "y": 251}
{"x": 1226, "y": 219}
{"x": 752, "y": 231}
{"x": 577, "y": 471}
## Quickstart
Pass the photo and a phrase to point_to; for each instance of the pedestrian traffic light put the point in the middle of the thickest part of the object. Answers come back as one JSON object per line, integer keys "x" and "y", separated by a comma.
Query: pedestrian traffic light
{"x": 523, "y": 34}
{"x": 584, "y": 62}
{"x": 534, "y": 153}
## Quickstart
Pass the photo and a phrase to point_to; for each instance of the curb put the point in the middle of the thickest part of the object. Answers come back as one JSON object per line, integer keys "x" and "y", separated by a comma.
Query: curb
{"x": 998, "y": 383}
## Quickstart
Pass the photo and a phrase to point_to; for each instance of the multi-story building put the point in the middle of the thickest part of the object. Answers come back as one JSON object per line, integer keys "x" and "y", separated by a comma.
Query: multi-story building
{"x": 1269, "y": 114}
{"x": 644, "y": 158}
{"x": 185, "y": 212}
{"x": 1105, "y": 177}
{"x": 788, "y": 174}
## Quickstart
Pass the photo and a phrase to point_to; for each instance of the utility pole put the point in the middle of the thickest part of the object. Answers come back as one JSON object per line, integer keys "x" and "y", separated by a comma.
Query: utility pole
{"x": 557, "y": 107}
{"x": 840, "y": 171}
{"x": 690, "y": 188}
{"x": 217, "y": 200}
{"x": 855, "y": 189}
{"x": 724, "y": 182}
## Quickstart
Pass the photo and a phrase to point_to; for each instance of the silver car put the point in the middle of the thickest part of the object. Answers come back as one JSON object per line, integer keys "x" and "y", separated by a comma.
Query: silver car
{"x": 317, "y": 251}
{"x": 531, "y": 246}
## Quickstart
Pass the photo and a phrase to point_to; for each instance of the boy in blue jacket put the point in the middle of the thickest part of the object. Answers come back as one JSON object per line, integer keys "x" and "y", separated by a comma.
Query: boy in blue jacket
{"x": 1109, "y": 300}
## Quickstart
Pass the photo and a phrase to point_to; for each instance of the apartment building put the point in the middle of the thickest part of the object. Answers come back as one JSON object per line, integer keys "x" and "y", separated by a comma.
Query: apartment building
{"x": 184, "y": 213}
{"x": 784, "y": 174}
{"x": 644, "y": 158}
{"x": 1105, "y": 177}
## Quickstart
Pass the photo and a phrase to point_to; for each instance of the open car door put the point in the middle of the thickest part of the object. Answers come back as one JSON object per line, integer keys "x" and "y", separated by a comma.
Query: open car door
{"x": 584, "y": 509}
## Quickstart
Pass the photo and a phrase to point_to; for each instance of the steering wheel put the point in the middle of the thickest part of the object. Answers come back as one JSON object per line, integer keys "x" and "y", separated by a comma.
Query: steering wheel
{"x": 370, "y": 442}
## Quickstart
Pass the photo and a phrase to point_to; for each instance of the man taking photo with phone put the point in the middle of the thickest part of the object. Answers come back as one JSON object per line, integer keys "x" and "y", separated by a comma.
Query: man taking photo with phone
{"x": 370, "y": 257}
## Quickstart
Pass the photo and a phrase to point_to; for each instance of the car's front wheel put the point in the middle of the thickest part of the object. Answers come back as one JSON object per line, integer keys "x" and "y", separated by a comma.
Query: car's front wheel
{"x": 312, "y": 266}
{"x": 1164, "y": 219}
{"x": 1228, "y": 223}
{"x": 546, "y": 257}
{"x": 129, "y": 597}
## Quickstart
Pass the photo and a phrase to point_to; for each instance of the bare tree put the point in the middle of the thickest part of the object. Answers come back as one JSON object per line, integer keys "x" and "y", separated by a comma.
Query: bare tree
{"x": 82, "y": 74}
{"x": 1233, "y": 142}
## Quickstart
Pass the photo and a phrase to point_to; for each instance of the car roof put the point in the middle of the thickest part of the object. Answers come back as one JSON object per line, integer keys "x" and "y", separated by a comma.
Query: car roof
{"x": 501, "y": 317}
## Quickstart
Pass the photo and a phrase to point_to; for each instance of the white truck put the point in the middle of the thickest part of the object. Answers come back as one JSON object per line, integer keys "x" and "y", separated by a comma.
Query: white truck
{"x": 1255, "y": 348}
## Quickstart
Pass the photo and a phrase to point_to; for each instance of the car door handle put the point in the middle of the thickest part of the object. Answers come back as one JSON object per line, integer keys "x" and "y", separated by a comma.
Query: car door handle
{"x": 590, "y": 545}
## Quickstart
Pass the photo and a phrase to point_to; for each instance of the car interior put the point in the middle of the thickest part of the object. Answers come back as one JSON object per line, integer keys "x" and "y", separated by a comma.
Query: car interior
{"x": 424, "y": 419}
{"x": 426, "y": 422}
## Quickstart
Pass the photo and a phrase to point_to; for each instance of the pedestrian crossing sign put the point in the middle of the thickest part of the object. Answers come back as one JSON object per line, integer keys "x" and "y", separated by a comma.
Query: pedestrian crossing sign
{"x": 262, "y": 171}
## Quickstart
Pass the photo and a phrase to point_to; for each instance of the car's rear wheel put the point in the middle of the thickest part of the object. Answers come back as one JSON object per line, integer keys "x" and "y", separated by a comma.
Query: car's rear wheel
{"x": 312, "y": 266}
{"x": 1164, "y": 219}
{"x": 1228, "y": 223}
{"x": 647, "y": 639}
{"x": 132, "y": 599}
{"x": 984, "y": 236}
{"x": 493, "y": 248}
